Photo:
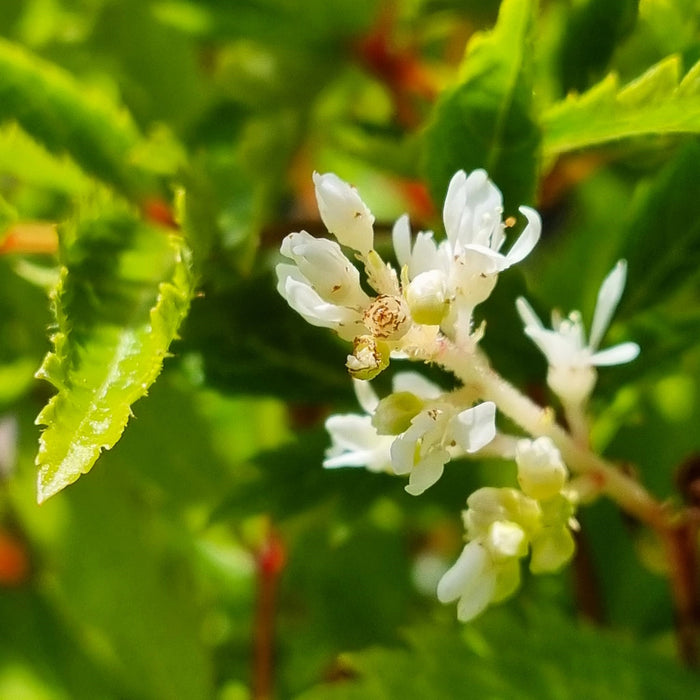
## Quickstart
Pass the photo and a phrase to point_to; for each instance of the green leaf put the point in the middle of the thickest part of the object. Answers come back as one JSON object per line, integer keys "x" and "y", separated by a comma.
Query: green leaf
{"x": 539, "y": 656}
{"x": 59, "y": 112}
{"x": 656, "y": 103}
{"x": 486, "y": 120}
{"x": 124, "y": 289}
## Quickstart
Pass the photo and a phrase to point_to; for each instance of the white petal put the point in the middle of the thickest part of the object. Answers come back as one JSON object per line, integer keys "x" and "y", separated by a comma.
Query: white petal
{"x": 366, "y": 396}
{"x": 475, "y": 427}
{"x": 308, "y": 304}
{"x": 427, "y": 472}
{"x": 454, "y": 204}
{"x": 464, "y": 572}
{"x": 355, "y": 443}
{"x": 616, "y": 355}
{"x": 417, "y": 384}
{"x": 608, "y": 299}
{"x": 401, "y": 238}
{"x": 527, "y": 239}
{"x": 403, "y": 454}
{"x": 424, "y": 256}
{"x": 344, "y": 213}
{"x": 529, "y": 318}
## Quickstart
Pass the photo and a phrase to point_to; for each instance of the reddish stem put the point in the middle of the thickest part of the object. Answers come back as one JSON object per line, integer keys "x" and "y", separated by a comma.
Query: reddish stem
{"x": 270, "y": 561}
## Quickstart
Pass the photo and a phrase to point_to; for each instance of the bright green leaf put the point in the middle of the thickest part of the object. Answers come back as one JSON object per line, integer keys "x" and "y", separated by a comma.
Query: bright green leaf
{"x": 657, "y": 103}
{"x": 486, "y": 120}
{"x": 124, "y": 289}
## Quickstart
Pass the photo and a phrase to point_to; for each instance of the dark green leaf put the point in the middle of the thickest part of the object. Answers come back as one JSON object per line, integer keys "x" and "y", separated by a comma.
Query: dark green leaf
{"x": 486, "y": 120}
{"x": 539, "y": 657}
{"x": 593, "y": 30}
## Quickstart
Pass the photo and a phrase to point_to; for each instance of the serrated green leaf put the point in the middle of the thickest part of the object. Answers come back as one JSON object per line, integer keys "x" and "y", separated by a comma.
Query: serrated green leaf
{"x": 656, "y": 103}
{"x": 60, "y": 113}
{"x": 486, "y": 120}
{"x": 124, "y": 289}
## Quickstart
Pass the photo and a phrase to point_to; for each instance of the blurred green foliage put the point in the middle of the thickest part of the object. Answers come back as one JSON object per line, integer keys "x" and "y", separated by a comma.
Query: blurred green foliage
{"x": 172, "y": 142}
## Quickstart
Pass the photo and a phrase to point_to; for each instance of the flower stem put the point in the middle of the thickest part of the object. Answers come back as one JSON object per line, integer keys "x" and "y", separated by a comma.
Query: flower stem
{"x": 473, "y": 370}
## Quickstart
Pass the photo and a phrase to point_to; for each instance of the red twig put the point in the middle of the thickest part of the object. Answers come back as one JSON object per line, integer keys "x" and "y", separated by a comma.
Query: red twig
{"x": 270, "y": 561}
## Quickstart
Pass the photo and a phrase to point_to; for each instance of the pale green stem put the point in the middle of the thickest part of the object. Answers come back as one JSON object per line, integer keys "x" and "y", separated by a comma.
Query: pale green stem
{"x": 473, "y": 370}
{"x": 577, "y": 421}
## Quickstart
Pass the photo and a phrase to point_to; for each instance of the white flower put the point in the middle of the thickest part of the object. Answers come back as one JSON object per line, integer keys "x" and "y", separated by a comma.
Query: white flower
{"x": 344, "y": 213}
{"x": 448, "y": 279}
{"x": 541, "y": 471}
{"x": 355, "y": 441}
{"x": 473, "y": 222}
{"x": 422, "y": 451}
{"x": 323, "y": 286}
{"x": 571, "y": 359}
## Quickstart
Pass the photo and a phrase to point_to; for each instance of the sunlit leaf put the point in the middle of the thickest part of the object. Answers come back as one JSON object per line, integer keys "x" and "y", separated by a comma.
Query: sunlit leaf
{"x": 124, "y": 289}
{"x": 657, "y": 103}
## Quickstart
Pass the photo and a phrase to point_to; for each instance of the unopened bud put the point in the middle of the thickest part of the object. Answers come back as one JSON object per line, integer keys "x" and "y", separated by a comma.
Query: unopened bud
{"x": 395, "y": 412}
{"x": 369, "y": 357}
{"x": 344, "y": 213}
{"x": 427, "y": 297}
{"x": 541, "y": 472}
{"x": 387, "y": 317}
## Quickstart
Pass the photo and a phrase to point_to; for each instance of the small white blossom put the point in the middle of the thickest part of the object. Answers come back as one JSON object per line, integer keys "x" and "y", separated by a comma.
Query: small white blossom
{"x": 424, "y": 447}
{"x": 447, "y": 280}
{"x": 422, "y": 451}
{"x": 571, "y": 359}
{"x": 355, "y": 441}
{"x": 344, "y": 213}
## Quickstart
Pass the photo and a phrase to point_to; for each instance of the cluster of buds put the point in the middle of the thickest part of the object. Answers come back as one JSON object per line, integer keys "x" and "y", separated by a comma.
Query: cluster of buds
{"x": 424, "y": 311}
{"x": 504, "y": 524}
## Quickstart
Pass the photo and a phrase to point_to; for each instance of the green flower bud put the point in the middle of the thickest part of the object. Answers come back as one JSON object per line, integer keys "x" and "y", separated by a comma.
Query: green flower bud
{"x": 395, "y": 412}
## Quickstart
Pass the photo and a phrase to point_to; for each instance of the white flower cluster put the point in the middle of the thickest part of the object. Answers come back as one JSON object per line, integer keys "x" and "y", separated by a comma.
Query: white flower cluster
{"x": 424, "y": 311}
{"x": 436, "y": 289}
{"x": 503, "y": 524}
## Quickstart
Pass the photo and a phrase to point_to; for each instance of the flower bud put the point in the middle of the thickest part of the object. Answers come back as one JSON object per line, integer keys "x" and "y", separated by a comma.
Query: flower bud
{"x": 387, "y": 317}
{"x": 395, "y": 413}
{"x": 369, "y": 357}
{"x": 344, "y": 213}
{"x": 427, "y": 297}
{"x": 505, "y": 540}
{"x": 541, "y": 472}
